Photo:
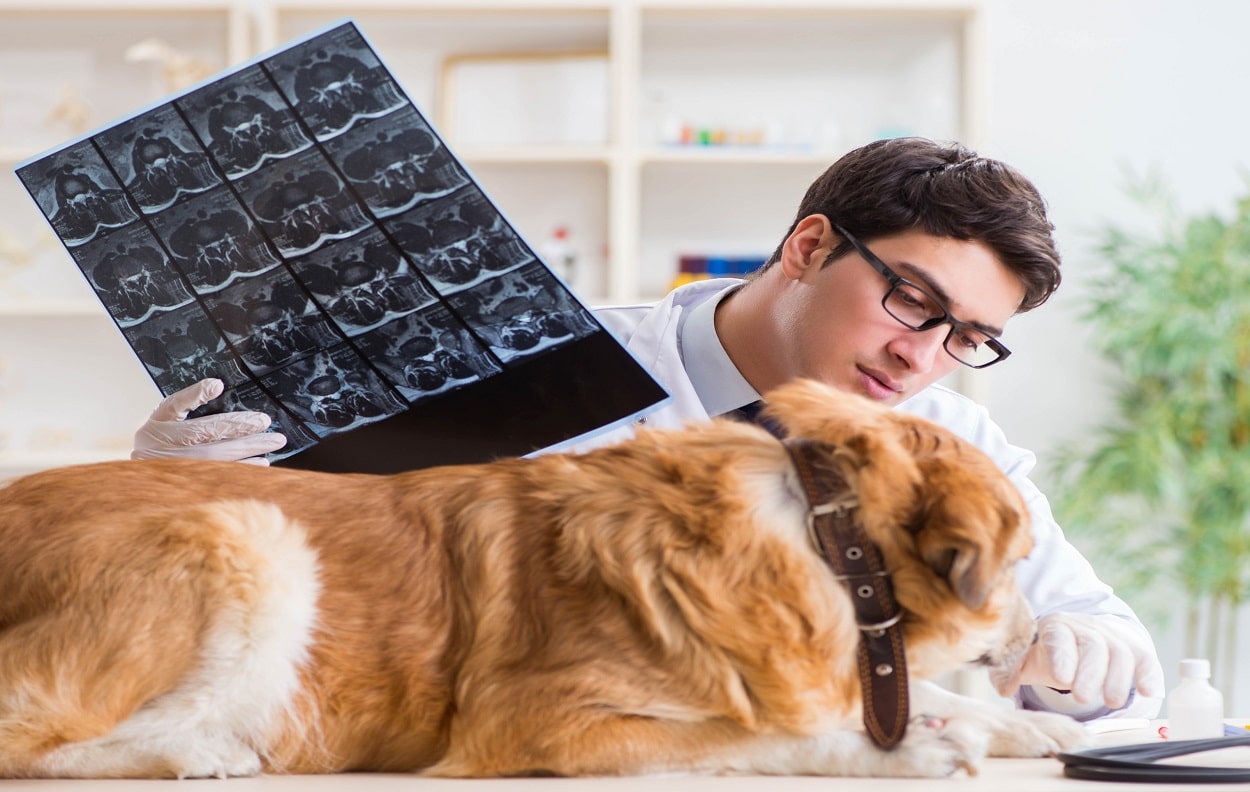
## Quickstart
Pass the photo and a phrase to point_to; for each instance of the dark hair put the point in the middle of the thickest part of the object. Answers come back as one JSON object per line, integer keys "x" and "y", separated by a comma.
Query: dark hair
{"x": 892, "y": 186}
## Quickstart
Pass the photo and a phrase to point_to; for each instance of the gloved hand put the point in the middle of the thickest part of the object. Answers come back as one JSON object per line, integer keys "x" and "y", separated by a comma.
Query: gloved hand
{"x": 228, "y": 437}
{"x": 1100, "y": 659}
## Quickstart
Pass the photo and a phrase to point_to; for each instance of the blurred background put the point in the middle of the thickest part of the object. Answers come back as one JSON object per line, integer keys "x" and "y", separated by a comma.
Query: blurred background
{"x": 637, "y": 145}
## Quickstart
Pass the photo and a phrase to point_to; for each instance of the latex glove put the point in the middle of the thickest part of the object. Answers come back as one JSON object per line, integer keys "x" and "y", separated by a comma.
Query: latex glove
{"x": 228, "y": 437}
{"x": 1100, "y": 659}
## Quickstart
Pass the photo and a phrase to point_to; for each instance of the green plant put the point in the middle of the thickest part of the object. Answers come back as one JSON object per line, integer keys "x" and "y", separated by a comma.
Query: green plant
{"x": 1162, "y": 491}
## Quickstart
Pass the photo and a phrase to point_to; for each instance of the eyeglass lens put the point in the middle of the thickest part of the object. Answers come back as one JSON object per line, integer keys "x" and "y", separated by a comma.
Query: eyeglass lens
{"x": 918, "y": 310}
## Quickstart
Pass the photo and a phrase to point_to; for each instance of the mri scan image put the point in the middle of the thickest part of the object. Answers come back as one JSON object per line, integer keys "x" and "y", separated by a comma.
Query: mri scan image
{"x": 396, "y": 162}
{"x": 300, "y": 202}
{"x": 334, "y": 390}
{"x": 78, "y": 194}
{"x": 158, "y": 159}
{"x": 523, "y": 312}
{"x": 244, "y": 122}
{"x": 213, "y": 241}
{"x": 182, "y": 347}
{"x": 271, "y": 320}
{"x": 362, "y": 284}
{"x": 335, "y": 81}
{"x": 132, "y": 275}
{"x": 458, "y": 241}
{"x": 298, "y": 229}
{"x": 427, "y": 352}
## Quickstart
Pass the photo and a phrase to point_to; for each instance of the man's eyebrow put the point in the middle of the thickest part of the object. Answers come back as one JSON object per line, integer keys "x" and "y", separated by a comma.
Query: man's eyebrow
{"x": 933, "y": 286}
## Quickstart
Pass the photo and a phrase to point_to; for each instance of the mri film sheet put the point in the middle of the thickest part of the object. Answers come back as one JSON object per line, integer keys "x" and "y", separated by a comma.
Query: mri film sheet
{"x": 298, "y": 229}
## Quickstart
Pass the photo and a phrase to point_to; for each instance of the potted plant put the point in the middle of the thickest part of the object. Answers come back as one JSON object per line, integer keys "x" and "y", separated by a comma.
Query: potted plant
{"x": 1162, "y": 490}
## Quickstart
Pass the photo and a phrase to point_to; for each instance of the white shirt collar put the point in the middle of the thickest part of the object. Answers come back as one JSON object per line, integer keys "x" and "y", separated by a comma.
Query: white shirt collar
{"x": 717, "y": 382}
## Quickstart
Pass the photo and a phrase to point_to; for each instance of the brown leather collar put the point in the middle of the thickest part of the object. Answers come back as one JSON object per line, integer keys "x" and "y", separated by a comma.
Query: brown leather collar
{"x": 857, "y": 562}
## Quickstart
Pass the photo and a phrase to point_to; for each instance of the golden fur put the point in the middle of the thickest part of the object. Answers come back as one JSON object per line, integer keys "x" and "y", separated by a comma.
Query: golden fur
{"x": 651, "y": 606}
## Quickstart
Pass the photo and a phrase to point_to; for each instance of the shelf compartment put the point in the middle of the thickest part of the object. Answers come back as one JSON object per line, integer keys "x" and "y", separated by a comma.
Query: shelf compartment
{"x": 803, "y": 79}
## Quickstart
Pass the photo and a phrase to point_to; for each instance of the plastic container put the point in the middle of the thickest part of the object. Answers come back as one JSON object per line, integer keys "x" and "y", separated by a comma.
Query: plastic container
{"x": 558, "y": 254}
{"x": 1195, "y": 709}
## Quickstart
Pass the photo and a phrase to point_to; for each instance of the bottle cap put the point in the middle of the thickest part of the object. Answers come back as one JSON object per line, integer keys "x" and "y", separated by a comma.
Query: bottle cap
{"x": 1193, "y": 668}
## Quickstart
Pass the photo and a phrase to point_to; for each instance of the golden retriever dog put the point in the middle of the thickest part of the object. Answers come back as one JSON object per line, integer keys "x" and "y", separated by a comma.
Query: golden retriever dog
{"x": 654, "y": 606}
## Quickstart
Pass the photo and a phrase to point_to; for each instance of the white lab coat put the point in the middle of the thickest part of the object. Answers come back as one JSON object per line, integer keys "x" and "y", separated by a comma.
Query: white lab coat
{"x": 1054, "y": 577}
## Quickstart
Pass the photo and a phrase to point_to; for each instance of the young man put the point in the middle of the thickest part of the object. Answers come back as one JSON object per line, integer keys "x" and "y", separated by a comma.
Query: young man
{"x": 905, "y": 261}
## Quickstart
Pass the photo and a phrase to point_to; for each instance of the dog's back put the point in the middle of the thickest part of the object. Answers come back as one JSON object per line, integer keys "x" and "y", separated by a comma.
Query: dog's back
{"x": 652, "y": 606}
{"x": 316, "y": 623}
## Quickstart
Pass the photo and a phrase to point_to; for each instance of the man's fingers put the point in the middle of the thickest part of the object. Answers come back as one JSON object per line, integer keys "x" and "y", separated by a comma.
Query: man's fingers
{"x": 206, "y": 429}
{"x": 177, "y": 405}
{"x": 1091, "y": 667}
{"x": 1057, "y": 652}
{"x": 223, "y": 436}
{"x": 1148, "y": 674}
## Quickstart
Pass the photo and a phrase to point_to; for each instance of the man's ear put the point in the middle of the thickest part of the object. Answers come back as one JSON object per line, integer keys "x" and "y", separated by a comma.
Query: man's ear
{"x": 807, "y": 247}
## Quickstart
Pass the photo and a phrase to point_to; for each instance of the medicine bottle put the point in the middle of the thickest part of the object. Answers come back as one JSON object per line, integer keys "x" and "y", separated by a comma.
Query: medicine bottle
{"x": 1195, "y": 709}
{"x": 559, "y": 255}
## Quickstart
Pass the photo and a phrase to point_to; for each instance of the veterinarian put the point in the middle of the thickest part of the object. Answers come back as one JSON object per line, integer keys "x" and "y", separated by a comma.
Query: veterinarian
{"x": 905, "y": 261}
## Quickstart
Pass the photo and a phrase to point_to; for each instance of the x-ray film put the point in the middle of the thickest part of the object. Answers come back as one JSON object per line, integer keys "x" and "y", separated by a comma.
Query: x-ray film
{"x": 298, "y": 229}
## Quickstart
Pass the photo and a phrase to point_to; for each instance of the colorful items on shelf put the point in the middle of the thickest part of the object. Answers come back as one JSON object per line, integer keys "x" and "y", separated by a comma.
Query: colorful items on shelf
{"x": 691, "y": 135}
{"x": 808, "y": 136}
{"x": 692, "y": 267}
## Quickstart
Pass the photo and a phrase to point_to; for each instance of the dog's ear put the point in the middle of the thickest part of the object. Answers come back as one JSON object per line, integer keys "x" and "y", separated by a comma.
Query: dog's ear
{"x": 971, "y": 522}
{"x": 962, "y": 563}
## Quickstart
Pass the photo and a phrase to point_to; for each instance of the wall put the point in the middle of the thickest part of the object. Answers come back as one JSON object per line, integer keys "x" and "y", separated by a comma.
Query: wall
{"x": 1077, "y": 91}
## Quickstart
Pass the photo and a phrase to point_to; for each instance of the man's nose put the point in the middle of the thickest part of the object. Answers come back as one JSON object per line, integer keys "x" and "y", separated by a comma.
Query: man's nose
{"x": 920, "y": 349}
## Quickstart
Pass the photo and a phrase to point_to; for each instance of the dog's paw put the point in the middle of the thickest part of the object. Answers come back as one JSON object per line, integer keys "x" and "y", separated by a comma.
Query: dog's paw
{"x": 932, "y": 749}
{"x": 1018, "y": 733}
{"x": 217, "y": 759}
{"x": 1028, "y": 734}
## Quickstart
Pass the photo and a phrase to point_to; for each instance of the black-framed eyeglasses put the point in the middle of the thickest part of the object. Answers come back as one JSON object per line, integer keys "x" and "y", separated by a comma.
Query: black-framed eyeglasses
{"x": 916, "y": 308}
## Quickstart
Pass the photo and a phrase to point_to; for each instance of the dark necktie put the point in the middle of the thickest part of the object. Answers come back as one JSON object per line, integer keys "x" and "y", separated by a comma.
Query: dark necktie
{"x": 751, "y": 414}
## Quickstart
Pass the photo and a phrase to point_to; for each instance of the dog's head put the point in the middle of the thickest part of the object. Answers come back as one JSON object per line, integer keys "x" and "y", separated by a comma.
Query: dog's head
{"x": 948, "y": 522}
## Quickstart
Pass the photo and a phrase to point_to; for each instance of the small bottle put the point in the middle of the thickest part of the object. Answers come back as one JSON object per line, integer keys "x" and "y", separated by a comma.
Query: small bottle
{"x": 1195, "y": 709}
{"x": 558, "y": 254}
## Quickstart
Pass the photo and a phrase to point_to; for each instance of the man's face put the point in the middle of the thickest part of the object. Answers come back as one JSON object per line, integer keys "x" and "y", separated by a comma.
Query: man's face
{"x": 833, "y": 328}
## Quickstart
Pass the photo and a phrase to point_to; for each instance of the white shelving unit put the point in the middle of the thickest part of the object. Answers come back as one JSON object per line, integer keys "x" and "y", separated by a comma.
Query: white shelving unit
{"x": 71, "y": 391}
{"x": 784, "y": 87}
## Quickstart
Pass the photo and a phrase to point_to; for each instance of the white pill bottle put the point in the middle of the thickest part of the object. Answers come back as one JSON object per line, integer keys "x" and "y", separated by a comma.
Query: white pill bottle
{"x": 1195, "y": 709}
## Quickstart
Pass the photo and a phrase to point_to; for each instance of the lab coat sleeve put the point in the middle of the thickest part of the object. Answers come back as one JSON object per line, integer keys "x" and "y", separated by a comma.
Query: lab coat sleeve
{"x": 1055, "y": 576}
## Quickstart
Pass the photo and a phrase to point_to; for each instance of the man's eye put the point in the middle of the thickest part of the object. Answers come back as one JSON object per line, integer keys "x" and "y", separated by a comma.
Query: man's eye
{"x": 970, "y": 341}
{"x": 916, "y": 299}
{"x": 908, "y": 298}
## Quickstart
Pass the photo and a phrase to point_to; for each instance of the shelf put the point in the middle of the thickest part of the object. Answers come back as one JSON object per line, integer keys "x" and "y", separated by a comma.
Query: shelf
{"x": 538, "y": 155}
{"x": 71, "y": 390}
{"x": 733, "y": 155}
{"x": 53, "y": 309}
